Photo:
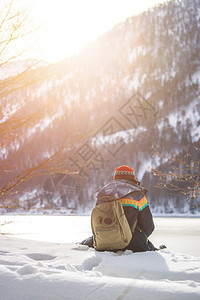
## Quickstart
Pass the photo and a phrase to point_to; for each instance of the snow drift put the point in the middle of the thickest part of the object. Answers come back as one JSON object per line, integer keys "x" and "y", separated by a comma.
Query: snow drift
{"x": 41, "y": 270}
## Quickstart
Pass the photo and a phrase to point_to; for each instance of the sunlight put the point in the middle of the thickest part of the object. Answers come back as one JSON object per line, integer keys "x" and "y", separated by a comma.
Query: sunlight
{"x": 68, "y": 26}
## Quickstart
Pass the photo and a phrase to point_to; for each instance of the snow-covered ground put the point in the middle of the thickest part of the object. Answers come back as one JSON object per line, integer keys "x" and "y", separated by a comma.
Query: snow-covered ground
{"x": 40, "y": 259}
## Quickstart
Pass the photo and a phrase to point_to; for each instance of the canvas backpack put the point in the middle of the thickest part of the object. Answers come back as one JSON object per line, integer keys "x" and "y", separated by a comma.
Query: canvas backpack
{"x": 110, "y": 227}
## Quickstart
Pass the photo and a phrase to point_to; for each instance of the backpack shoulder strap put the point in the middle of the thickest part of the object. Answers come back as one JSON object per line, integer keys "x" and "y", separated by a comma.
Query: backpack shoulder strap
{"x": 108, "y": 198}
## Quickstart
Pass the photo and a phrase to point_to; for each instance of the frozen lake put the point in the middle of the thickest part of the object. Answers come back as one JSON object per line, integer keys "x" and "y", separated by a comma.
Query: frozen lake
{"x": 178, "y": 234}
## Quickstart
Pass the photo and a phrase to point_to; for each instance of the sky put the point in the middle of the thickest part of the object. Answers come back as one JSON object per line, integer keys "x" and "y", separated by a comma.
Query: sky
{"x": 67, "y": 26}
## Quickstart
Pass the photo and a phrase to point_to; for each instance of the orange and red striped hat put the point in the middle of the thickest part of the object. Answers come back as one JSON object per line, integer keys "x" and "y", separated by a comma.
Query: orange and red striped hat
{"x": 124, "y": 172}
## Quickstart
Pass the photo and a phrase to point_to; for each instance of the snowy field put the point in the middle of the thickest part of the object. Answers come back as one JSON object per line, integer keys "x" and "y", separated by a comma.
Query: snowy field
{"x": 41, "y": 259}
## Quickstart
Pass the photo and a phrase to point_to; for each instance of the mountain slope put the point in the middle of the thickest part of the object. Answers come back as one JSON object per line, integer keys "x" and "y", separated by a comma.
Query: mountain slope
{"x": 137, "y": 86}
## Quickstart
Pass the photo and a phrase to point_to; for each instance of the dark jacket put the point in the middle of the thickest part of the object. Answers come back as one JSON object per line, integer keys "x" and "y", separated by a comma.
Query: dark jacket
{"x": 134, "y": 201}
{"x": 136, "y": 208}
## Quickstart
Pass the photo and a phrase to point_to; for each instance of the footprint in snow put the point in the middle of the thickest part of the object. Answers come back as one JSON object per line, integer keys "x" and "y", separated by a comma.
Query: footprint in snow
{"x": 80, "y": 247}
{"x": 90, "y": 263}
{"x": 70, "y": 268}
{"x": 40, "y": 256}
{"x": 3, "y": 252}
{"x": 27, "y": 270}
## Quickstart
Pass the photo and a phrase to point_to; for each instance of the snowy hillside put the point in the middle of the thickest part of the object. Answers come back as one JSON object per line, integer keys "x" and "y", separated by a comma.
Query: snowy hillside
{"x": 66, "y": 126}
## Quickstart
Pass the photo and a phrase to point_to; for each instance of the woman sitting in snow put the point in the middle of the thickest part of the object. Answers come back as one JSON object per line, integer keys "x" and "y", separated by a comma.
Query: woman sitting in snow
{"x": 136, "y": 208}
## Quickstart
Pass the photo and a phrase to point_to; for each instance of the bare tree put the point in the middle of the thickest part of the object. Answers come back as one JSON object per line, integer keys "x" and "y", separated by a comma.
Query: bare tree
{"x": 16, "y": 77}
{"x": 182, "y": 175}
{"x": 15, "y": 25}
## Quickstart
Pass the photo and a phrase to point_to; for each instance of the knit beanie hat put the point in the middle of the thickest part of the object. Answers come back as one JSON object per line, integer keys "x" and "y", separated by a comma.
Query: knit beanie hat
{"x": 124, "y": 172}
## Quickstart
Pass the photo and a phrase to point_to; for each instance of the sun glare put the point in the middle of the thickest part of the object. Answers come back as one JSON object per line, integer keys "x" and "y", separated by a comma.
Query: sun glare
{"x": 67, "y": 26}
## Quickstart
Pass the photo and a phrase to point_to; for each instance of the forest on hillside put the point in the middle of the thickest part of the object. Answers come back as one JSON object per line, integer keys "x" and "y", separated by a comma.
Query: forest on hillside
{"x": 131, "y": 97}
